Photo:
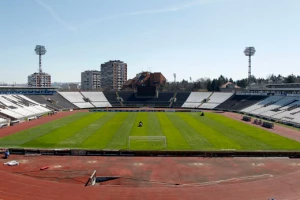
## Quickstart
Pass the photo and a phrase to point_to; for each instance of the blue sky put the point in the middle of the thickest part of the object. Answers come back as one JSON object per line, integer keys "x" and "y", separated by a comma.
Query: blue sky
{"x": 192, "y": 38}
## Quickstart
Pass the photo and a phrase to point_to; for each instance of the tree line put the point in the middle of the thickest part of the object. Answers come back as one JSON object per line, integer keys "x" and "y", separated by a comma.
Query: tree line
{"x": 207, "y": 84}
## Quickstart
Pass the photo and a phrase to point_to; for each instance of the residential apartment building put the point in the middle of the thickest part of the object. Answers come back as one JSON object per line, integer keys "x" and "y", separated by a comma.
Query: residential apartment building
{"x": 113, "y": 75}
{"x": 39, "y": 80}
{"x": 90, "y": 80}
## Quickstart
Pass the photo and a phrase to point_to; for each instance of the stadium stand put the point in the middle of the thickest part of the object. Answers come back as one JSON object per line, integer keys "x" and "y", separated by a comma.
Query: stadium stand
{"x": 180, "y": 98}
{"x": 248, "y": 102}
{"x": 240, "y": 101}
{"x": 11, "y": 114}
{"x": 297, "y": 117}
{"x": 26, "y": 100}
{"x": 14, "y": 106}
{"x": 73, "y": 97}
{"x": 61, "y": 101}
{"x": 262, "y": 104}
{"x": 77, "y": 99}
{"x": 112, "y": 98}
{"x": 46, "y": 100}
{"x": 275, "y": 108}
{"x": 285, "y": 109}
{"x": 94, "y": 96}
{"x": 215, "y": 99}
{"x": 288, "y": 113}
{"x": 195, "y": 99}
{"x": 20, "y": 107}
{"x": 129, "y": 99}
{"x": 279, "y": 108}
{"x": 126, "y": 96}
{"x": 84, "y": 105}
{"x": 97, "y": 99}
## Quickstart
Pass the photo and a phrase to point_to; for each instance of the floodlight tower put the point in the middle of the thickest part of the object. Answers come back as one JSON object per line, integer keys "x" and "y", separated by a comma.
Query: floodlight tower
{"x": 40, "y": 50}
{"x": 249, "y": 51}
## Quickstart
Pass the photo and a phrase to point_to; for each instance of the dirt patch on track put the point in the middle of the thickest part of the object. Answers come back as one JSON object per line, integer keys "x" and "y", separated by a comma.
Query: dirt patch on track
{"x": 29, "y": 124}
{"x": 280, "y": 130}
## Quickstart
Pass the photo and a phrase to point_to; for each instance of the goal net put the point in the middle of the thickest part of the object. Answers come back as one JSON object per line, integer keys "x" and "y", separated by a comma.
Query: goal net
{"x": 147, "y": 142}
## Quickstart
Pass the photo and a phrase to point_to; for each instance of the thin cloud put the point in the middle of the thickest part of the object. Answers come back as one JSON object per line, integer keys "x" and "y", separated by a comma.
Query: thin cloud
{"x": 56, "y": 16}
{"x": 91, "y": 22}
{"x": 170, "y": 9}
{"x": 94, "y": 21}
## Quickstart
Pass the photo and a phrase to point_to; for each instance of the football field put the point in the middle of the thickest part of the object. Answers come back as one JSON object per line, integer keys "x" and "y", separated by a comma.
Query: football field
{"x": 182, "y": 130}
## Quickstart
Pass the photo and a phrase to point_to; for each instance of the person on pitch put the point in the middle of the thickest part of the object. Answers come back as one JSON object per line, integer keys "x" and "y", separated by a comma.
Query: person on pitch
{"x": 6, "y": 154}
{"x": 140, "y": 124}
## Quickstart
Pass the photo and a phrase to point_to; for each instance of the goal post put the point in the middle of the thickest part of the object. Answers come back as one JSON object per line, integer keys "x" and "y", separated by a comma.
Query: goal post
{"x": 147, "y": 142}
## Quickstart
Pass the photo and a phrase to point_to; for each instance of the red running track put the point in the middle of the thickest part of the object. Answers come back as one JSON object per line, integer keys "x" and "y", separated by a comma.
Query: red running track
{"x": 151, "y": 178}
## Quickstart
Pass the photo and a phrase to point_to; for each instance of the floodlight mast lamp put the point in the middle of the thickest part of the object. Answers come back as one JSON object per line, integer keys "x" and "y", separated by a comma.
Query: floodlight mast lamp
{"x": 40, "y": 50}
{"x": 249, "y": 51}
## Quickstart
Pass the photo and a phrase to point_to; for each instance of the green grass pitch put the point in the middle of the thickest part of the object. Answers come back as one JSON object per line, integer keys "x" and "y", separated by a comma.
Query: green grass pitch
{"x": 184, "y": 131}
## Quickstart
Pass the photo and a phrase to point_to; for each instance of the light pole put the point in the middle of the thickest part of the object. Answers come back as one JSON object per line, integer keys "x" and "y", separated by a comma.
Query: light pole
{"x": 40, "y": 50}
{"x": 249, "y": 51}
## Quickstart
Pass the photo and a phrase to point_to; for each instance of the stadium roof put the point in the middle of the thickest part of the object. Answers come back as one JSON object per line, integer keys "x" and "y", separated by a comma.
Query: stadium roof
{"x": 23, "y": 87}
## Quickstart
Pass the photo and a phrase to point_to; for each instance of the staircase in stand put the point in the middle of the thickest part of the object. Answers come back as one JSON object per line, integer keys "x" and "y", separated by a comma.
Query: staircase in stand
{"x": 206, "y": 100}
{"x": 89, "y": 101}
{"x": 172, "y": 99}
{"x": 119, "y": 99}
{"x": 52, "y": 108}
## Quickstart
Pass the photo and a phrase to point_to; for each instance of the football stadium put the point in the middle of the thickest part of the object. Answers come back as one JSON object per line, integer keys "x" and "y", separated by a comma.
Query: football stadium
{"x": 149, "y": 100}
{"x": 104, "y": 140}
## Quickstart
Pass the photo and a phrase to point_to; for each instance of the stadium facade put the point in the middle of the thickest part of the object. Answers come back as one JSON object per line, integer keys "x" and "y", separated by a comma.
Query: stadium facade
{"x": 113, "y": 75}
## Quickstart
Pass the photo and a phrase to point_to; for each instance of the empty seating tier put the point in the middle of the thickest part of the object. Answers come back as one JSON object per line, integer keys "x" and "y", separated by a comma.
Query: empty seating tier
{"x": 73, "y": 97}
{"x": 77, "y": 99}
{"x": 20, "y": 107}
{"x": 97, "y": 99}
{"x": 195, "y": 99}
{"x": 215, "y": 99}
